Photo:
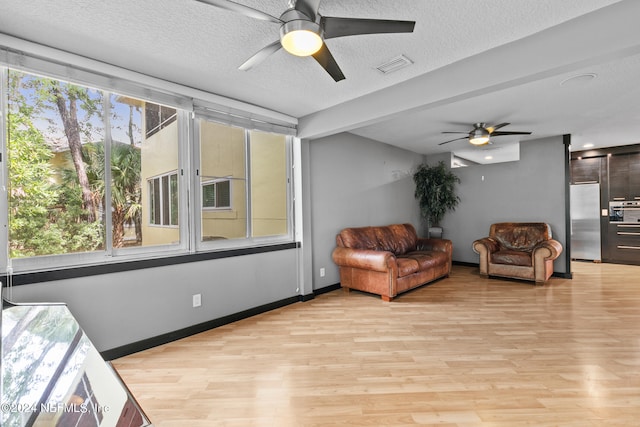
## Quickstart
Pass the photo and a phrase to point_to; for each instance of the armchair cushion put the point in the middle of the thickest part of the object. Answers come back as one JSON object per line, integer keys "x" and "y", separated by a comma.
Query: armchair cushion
{"x": 512, "y": 257}
{"x": 523, "y": 236}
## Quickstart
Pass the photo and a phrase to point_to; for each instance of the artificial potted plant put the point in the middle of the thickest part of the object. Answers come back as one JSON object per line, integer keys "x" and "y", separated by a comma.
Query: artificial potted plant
{"x": 435, "y": 191}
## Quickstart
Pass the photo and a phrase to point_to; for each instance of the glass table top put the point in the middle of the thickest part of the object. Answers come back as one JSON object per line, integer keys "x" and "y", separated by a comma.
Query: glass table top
{"x": 52, "y": 375}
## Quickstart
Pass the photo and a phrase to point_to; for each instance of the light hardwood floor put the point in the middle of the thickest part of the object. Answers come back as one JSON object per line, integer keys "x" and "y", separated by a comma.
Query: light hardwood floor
{"x": 464, "y": 351}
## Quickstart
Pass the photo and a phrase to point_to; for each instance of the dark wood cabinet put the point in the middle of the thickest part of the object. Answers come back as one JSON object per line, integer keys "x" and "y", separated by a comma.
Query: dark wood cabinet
{"x": 619, "y": 177}
{"x": 585, "y": 171}
{"x": 623, "y": 240}
{"x": 624, "y": 244}
{"x": 617, "y": 170}
{"x": 634, "y": 176}
{"x": 624, "y": 176}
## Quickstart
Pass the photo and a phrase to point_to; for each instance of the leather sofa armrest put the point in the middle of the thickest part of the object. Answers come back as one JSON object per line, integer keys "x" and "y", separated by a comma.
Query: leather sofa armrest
{"x": 547, "y": 250}
{"x": 440, "y": 245}
{"x": 487, "y": 244}
{"x": 364, "y": 259}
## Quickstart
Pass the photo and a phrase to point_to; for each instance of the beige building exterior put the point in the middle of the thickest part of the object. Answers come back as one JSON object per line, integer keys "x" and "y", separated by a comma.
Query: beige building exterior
{"x": 269, "y": 183}
{"x": 223, "y": 161}
{"x": 223, "y": 158}
{"x": 159, "y": 157}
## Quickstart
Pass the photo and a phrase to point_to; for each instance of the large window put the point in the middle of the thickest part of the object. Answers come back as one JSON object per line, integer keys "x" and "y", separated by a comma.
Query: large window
{"x": 268, "y": 184}
{"x": 93, "y": 175}
{"x": 244, "y": 180}
{"x": 144, "y": 181}
{"x": 75, "y": 174}
{"x": 223, "y": 156}
{"x": 55, "y": 142}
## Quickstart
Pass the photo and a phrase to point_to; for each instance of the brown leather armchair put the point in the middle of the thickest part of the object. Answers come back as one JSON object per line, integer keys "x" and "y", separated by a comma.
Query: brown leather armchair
{"x": 519, "y": 250}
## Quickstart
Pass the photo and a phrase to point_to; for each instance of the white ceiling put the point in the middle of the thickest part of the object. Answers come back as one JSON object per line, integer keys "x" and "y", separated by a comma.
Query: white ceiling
{"x": 474, "y": 61}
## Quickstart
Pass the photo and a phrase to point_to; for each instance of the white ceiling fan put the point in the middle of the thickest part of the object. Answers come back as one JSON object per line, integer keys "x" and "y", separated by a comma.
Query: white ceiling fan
{"x": 303, "y": 31}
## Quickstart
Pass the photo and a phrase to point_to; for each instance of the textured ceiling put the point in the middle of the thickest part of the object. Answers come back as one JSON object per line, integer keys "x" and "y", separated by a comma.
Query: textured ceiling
{"x": 474, "y": 60}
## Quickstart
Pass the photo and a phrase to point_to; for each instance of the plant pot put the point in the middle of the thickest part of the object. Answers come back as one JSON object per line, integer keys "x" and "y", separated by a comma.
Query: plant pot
{"x": 435, "y": 232}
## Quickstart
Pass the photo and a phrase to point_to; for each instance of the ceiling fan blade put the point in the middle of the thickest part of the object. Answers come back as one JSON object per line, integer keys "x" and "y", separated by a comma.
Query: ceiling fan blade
{"x": 457, "y": 139}
{"x": 308, "y": 7}
{"x": 509, "y": 133}
{"x": 242, "y": 9}
{"x": 261, "y": 55}
{"x": 326, "y": 60}
{"x": 340, "y": 27}
{"x": 492, "y": 129}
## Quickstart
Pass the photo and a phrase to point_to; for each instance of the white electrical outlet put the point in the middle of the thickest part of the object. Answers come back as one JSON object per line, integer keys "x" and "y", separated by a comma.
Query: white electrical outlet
{"x": 322, "y": 272}
{"x": 197, "y": 300}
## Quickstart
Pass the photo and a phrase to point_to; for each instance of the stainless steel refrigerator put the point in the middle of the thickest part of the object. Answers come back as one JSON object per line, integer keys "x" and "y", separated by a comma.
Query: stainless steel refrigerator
{"x": 585, "y": 222}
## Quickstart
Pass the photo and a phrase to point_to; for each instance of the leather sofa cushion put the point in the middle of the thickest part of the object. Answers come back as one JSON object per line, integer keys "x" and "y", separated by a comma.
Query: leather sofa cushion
{"x": 406, "y": 266}
{"x": 512, "y": 258}
{"x": 358, "y": 238}
{"x": 520, "y": 236}
{"x": 420, "y": 261}
{"x": 428, "y": 260}
{"x": 397, "y": 238}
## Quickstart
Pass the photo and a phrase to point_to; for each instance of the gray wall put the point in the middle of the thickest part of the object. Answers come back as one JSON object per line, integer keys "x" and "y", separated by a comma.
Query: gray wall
{"x": 532, "y": 189}
{"x": 355, "y": 181}
{"x": 122, "y": 308}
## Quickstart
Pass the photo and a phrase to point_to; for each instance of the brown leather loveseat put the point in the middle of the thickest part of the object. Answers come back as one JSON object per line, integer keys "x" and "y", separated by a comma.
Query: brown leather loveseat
{"x": 518, "y": 250}
{"x": 389, "y": 260}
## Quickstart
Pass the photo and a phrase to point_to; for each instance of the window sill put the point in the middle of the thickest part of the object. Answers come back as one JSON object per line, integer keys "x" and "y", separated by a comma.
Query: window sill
{"x": 115, "y": 267}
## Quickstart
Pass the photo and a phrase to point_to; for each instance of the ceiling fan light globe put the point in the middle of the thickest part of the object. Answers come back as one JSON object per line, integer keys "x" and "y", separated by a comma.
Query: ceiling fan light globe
{"x": 301, "y": 43}
{"x": 300, "y": 37}
{"x": 479, "y": 140}
{"x": 480, "y": 135}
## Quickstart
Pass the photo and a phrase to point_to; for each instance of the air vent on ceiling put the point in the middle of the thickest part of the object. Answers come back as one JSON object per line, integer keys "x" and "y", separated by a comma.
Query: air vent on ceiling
{"x": 394, "y": 64}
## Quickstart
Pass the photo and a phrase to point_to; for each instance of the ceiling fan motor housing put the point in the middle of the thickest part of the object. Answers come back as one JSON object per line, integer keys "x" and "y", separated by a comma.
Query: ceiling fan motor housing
{"x": 294, "y": 15}
{"x": 479, "y": 135}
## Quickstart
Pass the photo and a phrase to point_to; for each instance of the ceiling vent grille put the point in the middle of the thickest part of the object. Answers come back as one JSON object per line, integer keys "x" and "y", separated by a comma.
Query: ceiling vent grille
{"x": 394, "y": 64}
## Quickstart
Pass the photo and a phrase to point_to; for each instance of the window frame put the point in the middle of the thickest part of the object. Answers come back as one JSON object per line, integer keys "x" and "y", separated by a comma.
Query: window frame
{"x": 189, "y": 210}
{"x": 108, "y": 253}
{"x": 200, "y": 245}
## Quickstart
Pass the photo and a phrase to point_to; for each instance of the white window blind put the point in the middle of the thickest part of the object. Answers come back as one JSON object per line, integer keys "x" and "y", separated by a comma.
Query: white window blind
{"x": 233, "y": 117}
